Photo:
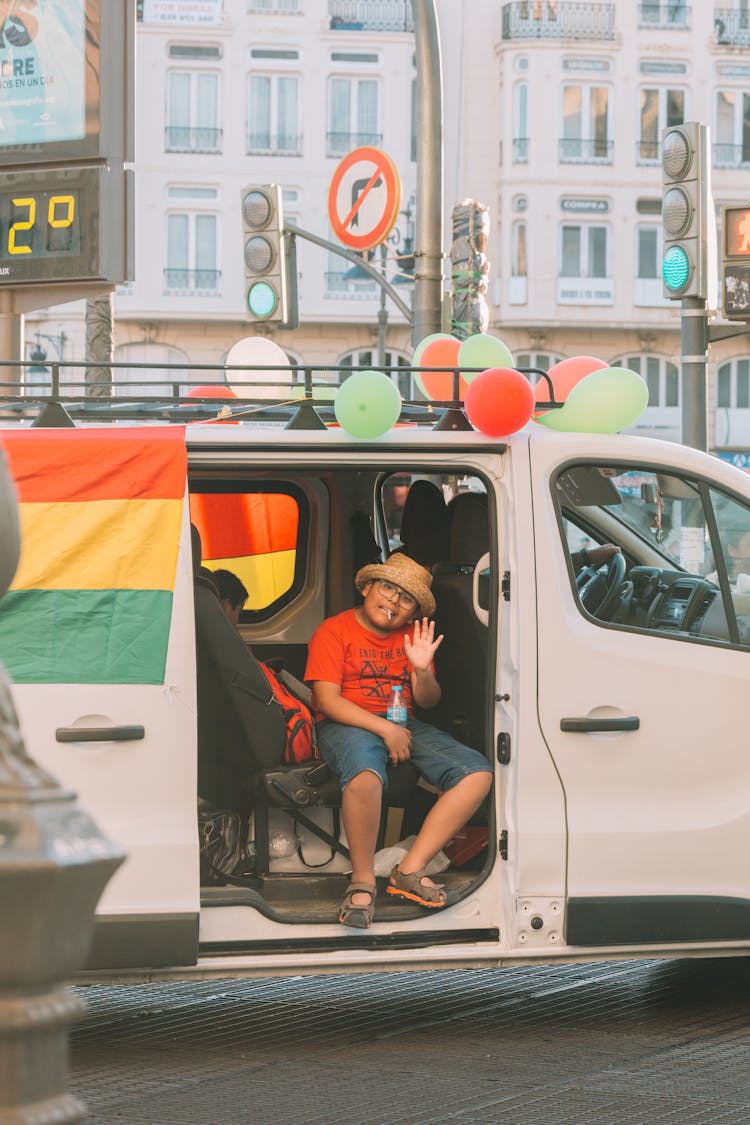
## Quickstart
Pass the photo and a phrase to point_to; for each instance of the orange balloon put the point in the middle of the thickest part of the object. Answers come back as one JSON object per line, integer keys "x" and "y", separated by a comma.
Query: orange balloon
{"x": 211, "y": 390}
{"x": 439, "y": 384}
{"x": 565, "y": 375}
{"x": 499, "y": 401}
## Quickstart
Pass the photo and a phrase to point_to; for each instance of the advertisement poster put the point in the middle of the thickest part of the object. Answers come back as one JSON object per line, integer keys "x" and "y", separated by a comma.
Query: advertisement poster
{"x": 42, "y": 71}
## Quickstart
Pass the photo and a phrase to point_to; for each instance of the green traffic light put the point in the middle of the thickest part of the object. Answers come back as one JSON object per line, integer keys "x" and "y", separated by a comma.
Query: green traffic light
{"x": 675, "y": 268}
{"x": 261, "y": 299}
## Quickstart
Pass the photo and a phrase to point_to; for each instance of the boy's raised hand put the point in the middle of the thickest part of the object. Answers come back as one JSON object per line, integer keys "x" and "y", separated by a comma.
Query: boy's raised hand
{"x": 421, "y": 648}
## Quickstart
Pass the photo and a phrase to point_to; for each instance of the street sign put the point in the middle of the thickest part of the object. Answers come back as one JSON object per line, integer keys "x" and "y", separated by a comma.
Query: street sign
{"x": 364, "y": 198}
{"x": 735, "y": 262}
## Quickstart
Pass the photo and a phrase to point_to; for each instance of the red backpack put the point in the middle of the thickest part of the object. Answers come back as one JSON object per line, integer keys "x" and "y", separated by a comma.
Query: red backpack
{"x": 301, "y": 744}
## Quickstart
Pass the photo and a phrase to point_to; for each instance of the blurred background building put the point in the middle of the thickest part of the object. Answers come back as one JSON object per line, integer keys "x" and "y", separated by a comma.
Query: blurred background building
{"x": 553, "y": 116}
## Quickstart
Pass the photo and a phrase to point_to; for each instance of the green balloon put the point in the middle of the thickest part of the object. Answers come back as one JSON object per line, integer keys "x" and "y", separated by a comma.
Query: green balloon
{"x": 367, "y": 404}
{"x": 417, "y": 355}
{"x": 605, "y": 402}
{"x": 483, "y": 351}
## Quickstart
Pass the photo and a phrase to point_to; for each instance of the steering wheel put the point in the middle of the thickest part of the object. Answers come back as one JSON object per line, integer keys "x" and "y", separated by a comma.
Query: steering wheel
{"x": 599, "y": 586}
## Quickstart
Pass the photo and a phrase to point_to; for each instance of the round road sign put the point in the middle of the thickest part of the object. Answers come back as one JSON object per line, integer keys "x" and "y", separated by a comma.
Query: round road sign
{"x": 364, "y": 198}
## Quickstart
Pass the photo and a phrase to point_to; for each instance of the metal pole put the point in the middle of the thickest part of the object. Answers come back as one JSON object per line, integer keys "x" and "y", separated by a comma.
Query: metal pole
{"x": 428, "y": 255}
{"x": 694, "y": 335}
{"x": 382, "y": 312}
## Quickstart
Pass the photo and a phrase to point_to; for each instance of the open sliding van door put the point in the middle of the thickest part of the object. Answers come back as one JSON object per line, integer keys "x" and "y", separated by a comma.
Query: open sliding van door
{"x": 642, "y": 693}
{"x": 97, "y": 634}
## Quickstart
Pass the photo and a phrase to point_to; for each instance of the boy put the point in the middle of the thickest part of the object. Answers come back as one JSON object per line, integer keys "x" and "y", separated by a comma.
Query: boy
{"x": 354, "y": 660}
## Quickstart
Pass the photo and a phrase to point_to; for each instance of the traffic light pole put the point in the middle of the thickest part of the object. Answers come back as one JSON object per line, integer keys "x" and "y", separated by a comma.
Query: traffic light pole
{"x": 694, "y": 335}
{"x": 356, "y": 260}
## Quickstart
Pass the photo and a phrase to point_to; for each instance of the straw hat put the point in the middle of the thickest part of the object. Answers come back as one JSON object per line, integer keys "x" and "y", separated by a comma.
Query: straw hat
{"x": 404, "y": 573}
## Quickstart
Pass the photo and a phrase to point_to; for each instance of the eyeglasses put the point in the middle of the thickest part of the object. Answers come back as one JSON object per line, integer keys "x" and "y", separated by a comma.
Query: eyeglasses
{"x": 406, "y": 601}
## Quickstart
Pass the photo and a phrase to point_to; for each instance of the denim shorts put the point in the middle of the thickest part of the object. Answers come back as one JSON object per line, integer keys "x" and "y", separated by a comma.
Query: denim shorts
{"x": 440, "y": 759}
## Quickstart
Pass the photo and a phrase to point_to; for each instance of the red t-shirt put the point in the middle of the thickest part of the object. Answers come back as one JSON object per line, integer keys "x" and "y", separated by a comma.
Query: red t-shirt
{"x": 366, "y": 666}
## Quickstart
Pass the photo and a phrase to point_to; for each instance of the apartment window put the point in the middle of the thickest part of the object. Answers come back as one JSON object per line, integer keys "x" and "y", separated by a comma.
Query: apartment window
{"x": 660, "y": 375}
{"x": 732, "y": 143}
{"x": 584, "y": 251}
{"x": 659, "y": 109}
{"x": 273, "y": 114}
{"x": 353, "y": 114}
{"x": 585, "y": 125}
{"x": 733, "y": 384}
{"x": 192, "y": 242}
{"x": 520, "y": 123}
{"x": 192, "y": 112}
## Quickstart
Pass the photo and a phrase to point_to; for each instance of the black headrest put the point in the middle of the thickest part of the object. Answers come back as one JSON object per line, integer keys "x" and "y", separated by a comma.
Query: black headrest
{"x": 470, "y": 532}
{"x": 424, "y": 524}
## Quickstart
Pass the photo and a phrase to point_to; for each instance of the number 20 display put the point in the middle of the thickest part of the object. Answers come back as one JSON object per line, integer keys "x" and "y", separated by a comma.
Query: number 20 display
{"x": 43, "y": 223}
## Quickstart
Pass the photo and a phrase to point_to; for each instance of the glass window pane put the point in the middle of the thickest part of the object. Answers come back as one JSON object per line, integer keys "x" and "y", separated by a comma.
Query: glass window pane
{"x": 649, "y": 124}
{"x": 572, "y": 112}
{"x": 745, "y": 128}
{"x": 675, "y": 107}
{"x": 518, "y": 262}
{"x": 341, "y": 93}
{"x": 599, "y": 118}
{"x": 287, "y": 122}
{"x": 647, "y": 256}
{"x": 367, "y": 108}
{"x": 207, "y": 99}
{"x": 177, "y": 242}
{"x": 205, "y": 242}
{"x": 179, "y": 100}
{"x": 597, "y": 252}
{"x": 733, "y": 522}
{"x": 652, "y": 381}
{"x": 743, "y": 399}
{"x": 672, "y": 397}
{"x": 570, "y": 265}
{"x": 724, "y": 386}
{"x": 260, "y": 110}
{"x": 725, "y": 117}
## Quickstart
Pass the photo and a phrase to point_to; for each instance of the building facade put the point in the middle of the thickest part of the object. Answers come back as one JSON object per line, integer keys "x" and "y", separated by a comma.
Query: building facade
{"x": 554, "y": 111}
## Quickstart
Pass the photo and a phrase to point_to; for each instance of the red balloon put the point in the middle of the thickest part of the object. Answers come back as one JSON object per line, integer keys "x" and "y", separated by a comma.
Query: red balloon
{"x": 439, "y": 384}
{"x": 499, "y": 401}
{"x": 565, "y": 375}
{"x": 211, "y": 390}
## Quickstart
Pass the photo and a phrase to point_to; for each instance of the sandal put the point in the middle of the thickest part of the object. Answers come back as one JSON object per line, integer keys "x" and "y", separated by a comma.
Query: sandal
{"x": 413, "y": 887}
{"x": 359, "y": 917}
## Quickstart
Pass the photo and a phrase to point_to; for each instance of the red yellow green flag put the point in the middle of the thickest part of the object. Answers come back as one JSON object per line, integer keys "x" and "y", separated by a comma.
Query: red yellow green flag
{"x": 100, "y": 514}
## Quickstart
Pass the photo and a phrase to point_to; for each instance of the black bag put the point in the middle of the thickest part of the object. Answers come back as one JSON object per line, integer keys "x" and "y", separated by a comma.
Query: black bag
{"x": 224, "y": 854}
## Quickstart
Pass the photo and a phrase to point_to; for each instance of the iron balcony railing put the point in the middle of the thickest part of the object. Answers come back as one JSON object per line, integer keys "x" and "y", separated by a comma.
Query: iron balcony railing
{"x": 731, "y": 156}
{"x": 370, "y": 15}
{"x": 664, "y": 14}
{"x": 550, "y": 19}
{"x": 339, "y": 144}
{"x": 191, "y": 281}
{"x": 182, "y": 138}
{"x": 731, "y": 27}
{"x": 268, "y": 144}
{"x": 577, "y": 150}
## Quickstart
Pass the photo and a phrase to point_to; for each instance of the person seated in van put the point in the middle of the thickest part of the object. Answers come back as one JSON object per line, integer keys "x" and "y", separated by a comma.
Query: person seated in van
{"x": 354, "y": 660}
{"x": 232, "y": 594}
{"x": 593, "y": 556}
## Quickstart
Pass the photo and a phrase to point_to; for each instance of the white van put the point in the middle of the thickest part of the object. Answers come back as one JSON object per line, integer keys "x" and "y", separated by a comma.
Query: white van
{"x": 611, "y": 701}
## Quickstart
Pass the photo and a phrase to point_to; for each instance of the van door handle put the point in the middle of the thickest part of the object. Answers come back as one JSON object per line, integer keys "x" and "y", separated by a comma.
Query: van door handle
{"x": 100, "y": 734}
{"x": 632, "y": 722}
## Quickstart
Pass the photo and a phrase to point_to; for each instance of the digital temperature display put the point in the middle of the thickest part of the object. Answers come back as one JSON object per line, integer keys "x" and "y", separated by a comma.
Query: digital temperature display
{"x": 54, "y": 224}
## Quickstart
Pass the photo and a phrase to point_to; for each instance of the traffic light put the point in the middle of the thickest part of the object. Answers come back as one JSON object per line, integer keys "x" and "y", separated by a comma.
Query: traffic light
{"x": 686, "y": 199}
{"x": 735, "y": 262}
{"x": 263, "y": 253}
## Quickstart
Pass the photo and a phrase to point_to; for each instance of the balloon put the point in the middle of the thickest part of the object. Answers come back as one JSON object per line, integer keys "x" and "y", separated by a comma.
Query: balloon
{"x": 324, "y": 394}
{"x": 499, "y": 401}
{"x": 367, "y": 404}
{"x": 439, "y": 384}
{"x": 565, "y": 375}
{"x": 483, "y": 351}
{"x": 211, "y": 390}
{"x": 418, "y": 353}
{"x": 258, "y": 352}
{"x": 603, "y": 403}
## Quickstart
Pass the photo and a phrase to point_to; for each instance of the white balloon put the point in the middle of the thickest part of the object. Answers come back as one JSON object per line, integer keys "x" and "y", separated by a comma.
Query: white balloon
{"x": 256, "y": 355}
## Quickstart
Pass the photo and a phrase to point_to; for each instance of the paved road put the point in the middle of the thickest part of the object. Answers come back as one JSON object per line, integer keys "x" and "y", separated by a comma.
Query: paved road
{"x": 659, "y": 1043}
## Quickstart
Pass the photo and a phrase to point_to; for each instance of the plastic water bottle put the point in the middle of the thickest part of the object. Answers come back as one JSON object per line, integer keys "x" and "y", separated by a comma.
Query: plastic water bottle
{"x": 397, "y": 707}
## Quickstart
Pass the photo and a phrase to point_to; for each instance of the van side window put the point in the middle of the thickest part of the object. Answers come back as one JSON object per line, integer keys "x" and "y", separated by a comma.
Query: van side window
{"x": 682, "y": 564}
{"x": 258, "y": 535}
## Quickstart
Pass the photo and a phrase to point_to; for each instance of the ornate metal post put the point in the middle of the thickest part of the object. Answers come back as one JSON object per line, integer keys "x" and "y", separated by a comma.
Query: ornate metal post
{"x": 54, "y": 865}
